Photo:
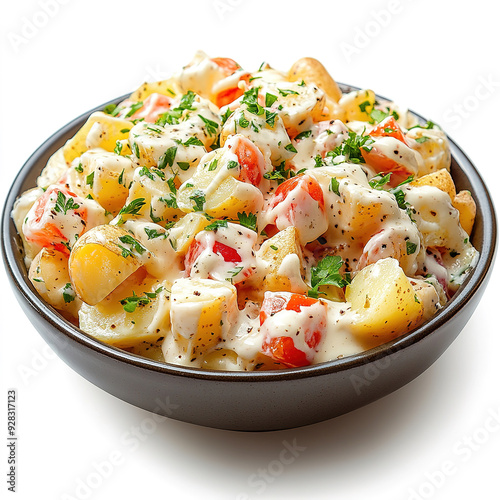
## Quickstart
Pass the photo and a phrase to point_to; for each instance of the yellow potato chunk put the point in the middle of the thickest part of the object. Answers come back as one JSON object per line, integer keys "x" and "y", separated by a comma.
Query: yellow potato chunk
{"x": 222, "y": 359}
{"x": 202, "y": 311}
{"x": 363, "y": 209}
{"x": 183, "y": 232}
{"x": 167, "y": 87}
{"x": 440, "y": 179}
{"x": 106, "y": 176}
{"x": 116, "y": 321}
{"x": 101, "y": 131}
{"x": 283, "y": 255}
{"x": 50, "y": 277}
{"x": 433, "y": 146}
{"x": 358, "y": 105}
{"x": 466, "y": 206}
{"x": 217, "y": 192}
{"x": 102, "y": 259}
{"x": 159, "y": 201}
{"x": 312, "y": 71}
{"x": 385, "y": 303}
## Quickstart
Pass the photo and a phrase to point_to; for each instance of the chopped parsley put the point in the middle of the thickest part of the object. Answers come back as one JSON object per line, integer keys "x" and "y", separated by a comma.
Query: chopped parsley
{"x": 187, "y": 101}
{"x": 216, "y": 224}
{"x": 145, "y": 172}
{"x": 280, "y": 173}
{"x": 152, "y": 215}
{"x": 120, "y": 177}
{"x": 303, "y": 135}
{"x": 183, "y": 165}
{"x": 250, "y": 98}
{"x": 212, "y": 127}
{"x": 364, "y": 105}
{"x": 170, "y": 200}
{"x": 109, "y": 108}
{"x": 198, "y": 198}
{"x": 232, "y": 164}
{"x": 379, "y": 181}
{"x": 271, "y": 118}
{"x": 327, "y": 273}
{"x": 410, "y": 247}
{"x": 249, "y": 221}
{"x": 334, "y": 186}
{"x": 134, "y": 108}
{"x": 352, "y": 146}
{"x": 270, "y": 99}
{"x": 226, "y": 116}
{"x": 400, "y": 197}
{"x": 153, "y": 233}
{"x": 135, "y": 149}
{"x": 79, "y": 168}
{"x": 68, "y": 293}
{"x": 134, "y": 246}
{"x": 118, "y": 147}
{"x": 290, "y": 147}
{"x": 89, "y": 180}
{"x": 133, "y": 208}
{"x": 243, "y": 122}
{"x": 285, "y": 92}
{"x": 130, "y": 303}
{"x": 193, "y": 141}
{"x": 213, "y": 165}
{"x": 422, "y": 139}
{"x": 377, "y": 115}
{"x": 63, "y": 205}
{"x": 234, "y": 272}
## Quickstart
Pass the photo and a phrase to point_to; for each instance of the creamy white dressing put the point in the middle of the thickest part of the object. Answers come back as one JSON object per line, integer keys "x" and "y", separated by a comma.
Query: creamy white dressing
{"x": 212, "y": 263}
{"x": 94, "y": 137}
{"x": 272, "y": 141}
{"x": 399, "y": 153}
{"x": 291, "y": 268}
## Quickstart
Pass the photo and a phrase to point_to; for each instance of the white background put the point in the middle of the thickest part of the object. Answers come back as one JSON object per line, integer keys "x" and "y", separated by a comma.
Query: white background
{"x": 434, "y": 57}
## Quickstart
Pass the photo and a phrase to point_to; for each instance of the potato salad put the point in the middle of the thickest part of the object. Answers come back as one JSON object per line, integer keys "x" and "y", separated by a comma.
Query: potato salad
{"x": 228, "y": 219}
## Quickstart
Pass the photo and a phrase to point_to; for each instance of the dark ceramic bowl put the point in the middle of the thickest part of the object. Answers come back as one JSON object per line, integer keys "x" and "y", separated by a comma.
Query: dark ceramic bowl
{"x": 260, "y": 400}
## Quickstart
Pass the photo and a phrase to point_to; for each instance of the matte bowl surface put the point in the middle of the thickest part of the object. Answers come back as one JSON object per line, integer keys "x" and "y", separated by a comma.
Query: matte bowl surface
{"x": 260, "y": 400}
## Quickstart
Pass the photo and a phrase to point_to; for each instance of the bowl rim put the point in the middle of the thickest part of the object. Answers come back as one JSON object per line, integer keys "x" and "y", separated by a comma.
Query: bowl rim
{"x": 14, "y": 267}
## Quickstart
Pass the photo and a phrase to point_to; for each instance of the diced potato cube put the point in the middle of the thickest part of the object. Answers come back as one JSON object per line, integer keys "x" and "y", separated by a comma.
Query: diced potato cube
{"x": 440, "y": 179}
{"x": 184, "y": 231}
{"x": 222, "y": 359}
{"x": 466, "y": 205}
{"x": 167, "y": 87}
{"x": 160, "y": 203}
{"x": 385, "y": 302}
{"x": 49, "y": 274}
{"x": 99, "y": 131}
{"x": 283, "y": 254}
{"x": 202, "y": 311}
{"x": 220, "y": 196}
{"x": 53, "y": 171}
{"x": 115, "y": 321}
{"x": 358, "y": 105}
{"x": 433, "y": 146}
{"x": 102, "y": 259}
{"x": 107, "y": 177}
{"x": 362, "y": 210}
{"x": 312, "y": 71}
